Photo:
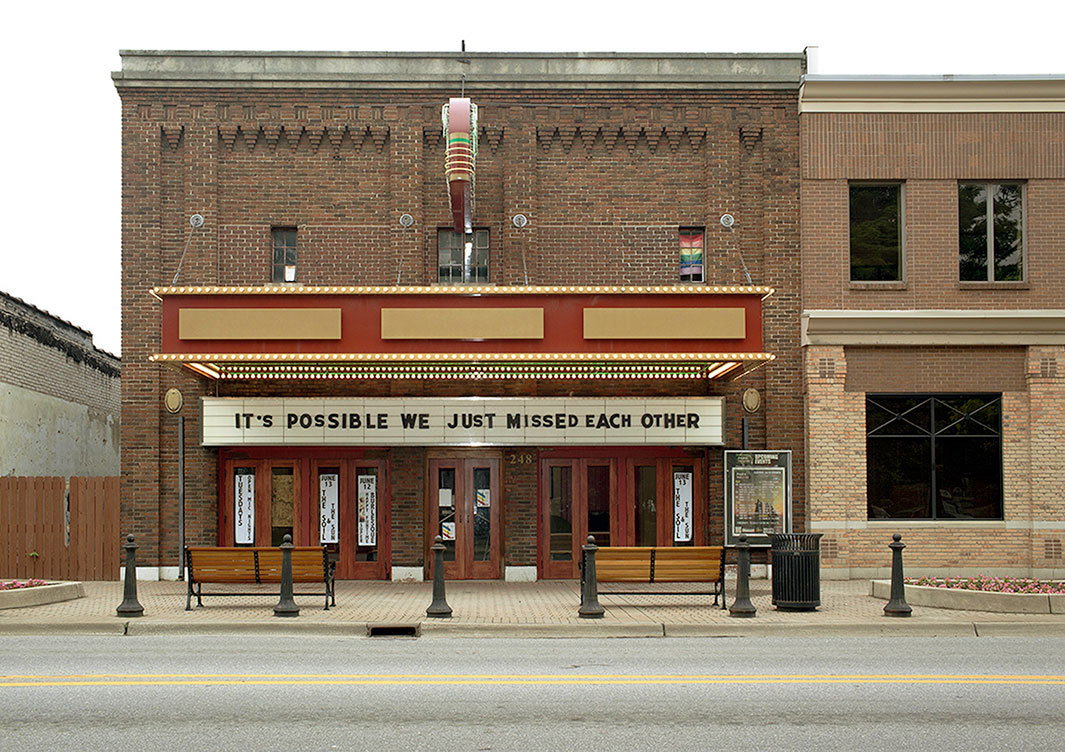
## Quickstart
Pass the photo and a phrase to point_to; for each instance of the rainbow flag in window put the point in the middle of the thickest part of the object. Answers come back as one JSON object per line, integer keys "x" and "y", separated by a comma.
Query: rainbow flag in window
{"x": 691, "y": 256}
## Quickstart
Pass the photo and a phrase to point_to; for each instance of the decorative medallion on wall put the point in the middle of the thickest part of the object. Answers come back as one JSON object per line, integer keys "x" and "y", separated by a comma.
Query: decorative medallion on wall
{"x": 173, "y": 401}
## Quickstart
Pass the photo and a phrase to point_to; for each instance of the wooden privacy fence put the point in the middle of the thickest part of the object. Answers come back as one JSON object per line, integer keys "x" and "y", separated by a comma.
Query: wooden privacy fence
{"x": 47, "y": 533}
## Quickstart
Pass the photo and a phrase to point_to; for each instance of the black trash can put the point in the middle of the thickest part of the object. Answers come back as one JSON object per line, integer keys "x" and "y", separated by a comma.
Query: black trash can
{"x": 796, "y": 559}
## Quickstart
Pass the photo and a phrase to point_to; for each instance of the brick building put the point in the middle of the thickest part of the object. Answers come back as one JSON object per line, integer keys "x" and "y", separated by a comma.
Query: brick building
{"x": 933, "y": 325}
{"x": 59, "y": 396}
{"x": 358, "y": 368}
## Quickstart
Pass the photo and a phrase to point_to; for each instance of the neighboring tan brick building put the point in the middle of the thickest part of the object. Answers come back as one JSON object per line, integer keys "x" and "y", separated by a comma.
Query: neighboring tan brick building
{"x": 933, "y": 243}
{"x": 329, "y": 321}
{"x": 59, "y": 396}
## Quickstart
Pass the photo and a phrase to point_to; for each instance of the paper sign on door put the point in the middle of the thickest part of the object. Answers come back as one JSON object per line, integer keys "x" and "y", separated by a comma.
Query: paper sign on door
{"x": 367, "y": 523}
{"x": 682, "y": 507}
{"x": 328, "y": 507}
{"x": 244, "y": 507}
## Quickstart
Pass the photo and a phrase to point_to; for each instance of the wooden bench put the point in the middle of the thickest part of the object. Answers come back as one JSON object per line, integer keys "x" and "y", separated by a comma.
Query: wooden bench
{"x": 640, "y": 564}
{"x": 247, "y": 565}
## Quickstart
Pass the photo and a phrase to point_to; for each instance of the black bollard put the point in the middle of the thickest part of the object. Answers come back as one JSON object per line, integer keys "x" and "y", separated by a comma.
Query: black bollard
{"x": 897, "y": 606}
{"x": 590, "y": 608}
{"x": 742, "y": 607}
{"x": 438, "y": 608}
{"x": 130, "y": 606}
{"x": 287, "y": 605}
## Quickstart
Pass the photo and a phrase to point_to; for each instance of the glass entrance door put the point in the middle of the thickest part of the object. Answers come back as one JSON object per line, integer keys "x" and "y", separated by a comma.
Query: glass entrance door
{"x": 663, "y": 504}
{"x": 464, "y": 503}
{"x": 349, "y": 512}
{"x": 577, "y": 503}
{"x": 340, "y": 502}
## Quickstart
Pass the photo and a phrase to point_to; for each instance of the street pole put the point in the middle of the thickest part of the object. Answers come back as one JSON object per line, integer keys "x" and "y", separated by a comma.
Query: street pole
{"x": 181, "y": 497}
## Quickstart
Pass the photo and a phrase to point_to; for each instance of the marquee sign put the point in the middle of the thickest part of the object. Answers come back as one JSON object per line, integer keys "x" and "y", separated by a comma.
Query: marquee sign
{"x": 465, "y": 421}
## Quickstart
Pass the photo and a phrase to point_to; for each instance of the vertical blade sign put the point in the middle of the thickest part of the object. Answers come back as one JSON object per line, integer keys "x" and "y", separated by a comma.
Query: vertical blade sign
{"x": 460, "y": 125}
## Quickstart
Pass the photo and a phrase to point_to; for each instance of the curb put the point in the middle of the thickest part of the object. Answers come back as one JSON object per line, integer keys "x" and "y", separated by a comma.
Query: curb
{"x": 137, "y": 628}
{"x": 112, "y": 628}
{"x": 591, "y": 628}
{"x": 887, "y": 628}
{"x": 118, "y": 627}
{"x": 1019, "y": 629}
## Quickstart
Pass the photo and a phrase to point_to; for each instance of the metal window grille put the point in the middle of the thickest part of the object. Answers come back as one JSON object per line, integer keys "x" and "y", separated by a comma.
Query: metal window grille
{"x": 934, "y": 456}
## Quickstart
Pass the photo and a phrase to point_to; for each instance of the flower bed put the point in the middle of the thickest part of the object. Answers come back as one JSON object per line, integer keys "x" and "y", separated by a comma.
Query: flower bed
{"x": 997, "y": 594}
{"x": 991, "y": 584}
{"x": 34, "y": 592}
{"x": 16, "y": 585}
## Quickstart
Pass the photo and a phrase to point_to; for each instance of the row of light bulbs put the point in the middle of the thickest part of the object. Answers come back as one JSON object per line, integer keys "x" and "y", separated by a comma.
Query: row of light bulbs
{"x": 464, "y": 290}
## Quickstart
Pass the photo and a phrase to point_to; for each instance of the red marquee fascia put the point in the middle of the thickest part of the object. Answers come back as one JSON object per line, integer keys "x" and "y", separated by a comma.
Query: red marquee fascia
{"x": 361, "y": 309}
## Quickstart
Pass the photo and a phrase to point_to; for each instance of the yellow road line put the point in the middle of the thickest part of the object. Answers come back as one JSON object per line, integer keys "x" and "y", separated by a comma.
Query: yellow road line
{"x": 494, "y": 680}
{"x": 490, "y": 676}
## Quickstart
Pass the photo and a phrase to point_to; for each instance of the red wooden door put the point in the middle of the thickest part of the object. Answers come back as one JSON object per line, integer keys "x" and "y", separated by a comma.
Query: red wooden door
{"x": 579, "y": 499}
{"x": 464, "y": 506}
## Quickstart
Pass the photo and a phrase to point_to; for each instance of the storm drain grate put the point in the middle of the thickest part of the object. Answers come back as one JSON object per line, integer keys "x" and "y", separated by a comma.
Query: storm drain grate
{"x": 392, "y": 630}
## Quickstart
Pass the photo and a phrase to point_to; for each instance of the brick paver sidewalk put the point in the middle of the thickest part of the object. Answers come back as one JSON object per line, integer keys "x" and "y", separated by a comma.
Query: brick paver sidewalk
{"x": 535, "y": 608}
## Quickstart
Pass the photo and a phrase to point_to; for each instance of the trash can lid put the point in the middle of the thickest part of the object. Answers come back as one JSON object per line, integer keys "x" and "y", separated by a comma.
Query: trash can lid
{"x": 795, "y": 541}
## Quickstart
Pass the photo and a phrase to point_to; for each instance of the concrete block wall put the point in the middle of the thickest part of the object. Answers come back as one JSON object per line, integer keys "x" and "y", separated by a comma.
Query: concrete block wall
{"x": 59, "y": 396}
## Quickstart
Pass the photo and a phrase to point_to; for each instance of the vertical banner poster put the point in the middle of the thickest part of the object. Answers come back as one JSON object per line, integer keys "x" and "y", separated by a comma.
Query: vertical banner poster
{"x": 244, "y": 506}
{"x": 367, "y": 503}
{"x": 328, "y": 507}
{"x": 682, "y": 507}
{"x": 757, "y": 495}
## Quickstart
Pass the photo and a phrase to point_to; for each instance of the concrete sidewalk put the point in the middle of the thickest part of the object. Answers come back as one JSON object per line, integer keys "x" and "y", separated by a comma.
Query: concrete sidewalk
{"x": 547, "y": 608}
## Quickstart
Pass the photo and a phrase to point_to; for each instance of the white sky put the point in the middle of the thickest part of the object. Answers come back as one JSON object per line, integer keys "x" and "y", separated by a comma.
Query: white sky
{"x": 60, "y": 135}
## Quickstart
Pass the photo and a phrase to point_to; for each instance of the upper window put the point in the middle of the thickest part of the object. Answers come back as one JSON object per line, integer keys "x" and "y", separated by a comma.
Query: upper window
{"x": 284, "y": 266}
{"x": 876, "y": 232}
{"x": 991, "y": 232}
{"x": 462, "y": 258}
{"x": 934, "y": 456}
{"x": 691, "y": 254}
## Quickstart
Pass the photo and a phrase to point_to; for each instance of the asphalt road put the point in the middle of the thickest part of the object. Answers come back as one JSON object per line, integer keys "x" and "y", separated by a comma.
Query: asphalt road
{"x": 315, "y": 693}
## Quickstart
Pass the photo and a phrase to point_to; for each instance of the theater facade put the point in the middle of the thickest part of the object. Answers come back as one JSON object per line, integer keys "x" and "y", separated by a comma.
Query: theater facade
{"x": 511, "y": 300}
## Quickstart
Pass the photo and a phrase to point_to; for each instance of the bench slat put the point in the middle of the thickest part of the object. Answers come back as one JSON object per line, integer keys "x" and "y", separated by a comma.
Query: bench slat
{"x": 623, "y": 564}
{"x": 679, "y": 564}
{"x": 688, "y": 564}
{"x": 237, "y": 565}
